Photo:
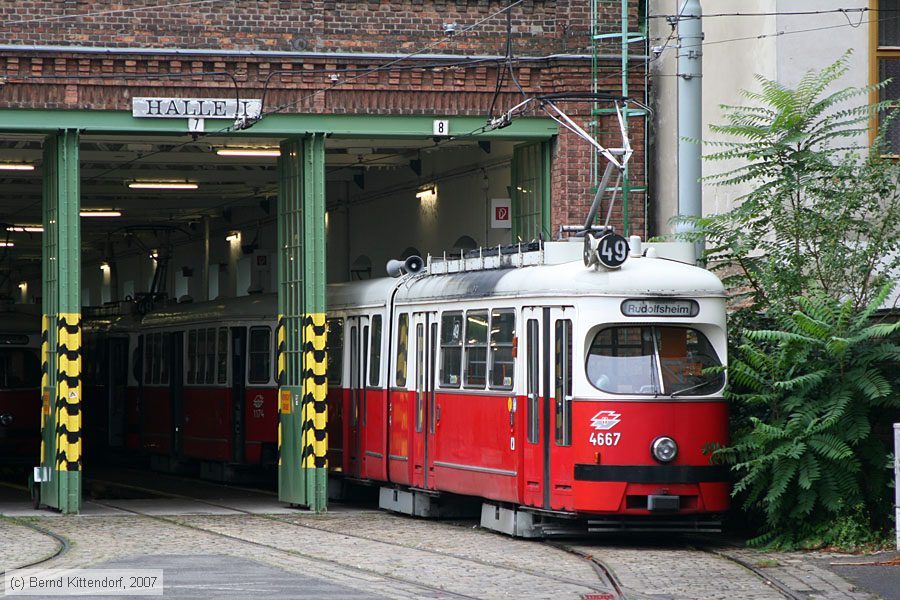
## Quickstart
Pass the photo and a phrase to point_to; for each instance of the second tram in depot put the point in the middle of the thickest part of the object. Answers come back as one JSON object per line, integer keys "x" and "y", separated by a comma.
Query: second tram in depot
{"x": 562, "y": 397}
{"x": 20, "y": 384}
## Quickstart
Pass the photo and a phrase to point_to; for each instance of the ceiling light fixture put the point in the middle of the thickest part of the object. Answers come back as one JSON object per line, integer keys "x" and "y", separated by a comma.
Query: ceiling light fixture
{"x": 7, "y": 244}
{"x": 248, "y": 151}
{"x": 101, "y": 213}
{"x": 16, "y": 167}
{"x": 427, "y": 194}
{"x": 162, "y": 185}
{"x": 25, "y": 228}
{"x": 234, "y": 236}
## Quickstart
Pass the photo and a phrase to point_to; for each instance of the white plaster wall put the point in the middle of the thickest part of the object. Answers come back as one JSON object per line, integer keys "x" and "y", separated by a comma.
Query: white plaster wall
{"x": 733, "y": 54}
{"x": 386, "y": 218}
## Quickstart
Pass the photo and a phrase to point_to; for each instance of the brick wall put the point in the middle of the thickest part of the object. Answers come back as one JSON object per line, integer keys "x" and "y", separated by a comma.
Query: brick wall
{"x": 306, "y": 83}
{"x": 538, "y": 26}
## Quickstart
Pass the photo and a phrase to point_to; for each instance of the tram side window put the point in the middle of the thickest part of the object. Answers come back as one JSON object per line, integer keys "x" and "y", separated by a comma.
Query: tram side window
{"x": 210, "y": 355}
{"x": 157, "y": 358}
{"x": 451, "y": 348}
{"x": 563, "y": 380}
{"x": 136, "y": 360}
{"x": 375, "y": 352}
{"x": 154, "y": 358}
{"x": 164, "y": 348}
{"x": 533, "y": 369}
{"x": 19, "y": 368}
{"x": 149, "y": 354}
{"x": 191, "y": 356}
{"x": 260, "y": 355}
{"x": 503, "y": 335}
{"x": 201, "y": 356}
{"x": 476, "y": 349}
{"x": 334, "y": 347}
{"x": 402, "y": 348}
{"x": 223, "y": 355}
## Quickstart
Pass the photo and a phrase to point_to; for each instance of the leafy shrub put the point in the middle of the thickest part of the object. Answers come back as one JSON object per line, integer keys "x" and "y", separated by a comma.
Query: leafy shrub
{"x": 817, "y": 383}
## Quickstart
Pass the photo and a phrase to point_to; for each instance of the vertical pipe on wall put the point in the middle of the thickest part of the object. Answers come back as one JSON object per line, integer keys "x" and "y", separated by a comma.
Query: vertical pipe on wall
{"x": 690, "y": 64}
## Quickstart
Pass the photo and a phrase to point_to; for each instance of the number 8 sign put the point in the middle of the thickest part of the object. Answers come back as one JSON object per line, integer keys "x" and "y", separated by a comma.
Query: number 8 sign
{"x": 612, "y": 250}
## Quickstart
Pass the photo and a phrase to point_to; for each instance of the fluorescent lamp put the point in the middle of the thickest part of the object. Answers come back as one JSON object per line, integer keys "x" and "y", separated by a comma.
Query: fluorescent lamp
{"x": 16, "y": 167}
{"x": 7, "y": 244}
{"x": 101, "y": 213}
{"x": 162, "y": 185}
{"x": 427, "y": 194}
{"x": 248, "y": 152}
{"x": 234, "y": 236}
{"x": 26, "y": 228}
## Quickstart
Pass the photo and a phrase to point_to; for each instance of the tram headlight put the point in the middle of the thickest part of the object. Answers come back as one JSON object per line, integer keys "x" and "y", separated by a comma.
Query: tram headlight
{"x": 664, "y": 449}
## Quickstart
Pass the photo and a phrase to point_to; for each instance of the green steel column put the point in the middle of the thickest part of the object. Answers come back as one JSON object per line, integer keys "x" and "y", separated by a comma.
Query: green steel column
{"x": 315, "y": 387}
{"x": 61, "y": 324}
{"x": 301, "y": 323}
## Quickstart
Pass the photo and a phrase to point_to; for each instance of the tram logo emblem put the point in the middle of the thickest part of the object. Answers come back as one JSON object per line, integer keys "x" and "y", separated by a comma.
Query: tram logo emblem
{"x": 605, "y": 419}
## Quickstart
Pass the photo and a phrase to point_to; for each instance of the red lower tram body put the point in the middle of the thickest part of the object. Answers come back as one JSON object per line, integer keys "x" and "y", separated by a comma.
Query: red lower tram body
{"x": 20, "y": 425}
{"x": 146, "y": 394}
{"x": 479, "y": 446}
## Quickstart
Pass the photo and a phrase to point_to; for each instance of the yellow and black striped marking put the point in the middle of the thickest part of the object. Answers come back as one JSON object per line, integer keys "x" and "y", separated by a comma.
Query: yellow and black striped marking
{"x": 45, "y": 378}
{"x": 68, "y": 392}
{"x": 280, "y": 346}
{"x": 315, "y": 389}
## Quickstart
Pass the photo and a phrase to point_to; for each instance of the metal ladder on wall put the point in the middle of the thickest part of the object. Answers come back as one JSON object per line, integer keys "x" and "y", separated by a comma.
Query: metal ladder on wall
{"x": 631, "y": 45}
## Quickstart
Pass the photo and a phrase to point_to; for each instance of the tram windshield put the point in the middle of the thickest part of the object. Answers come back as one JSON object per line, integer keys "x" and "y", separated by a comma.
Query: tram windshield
{"x": 653, "y": 360}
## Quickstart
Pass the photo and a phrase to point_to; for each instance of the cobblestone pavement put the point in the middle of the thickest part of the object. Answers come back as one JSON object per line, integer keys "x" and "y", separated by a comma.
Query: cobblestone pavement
{"x": 20, "y": 545}
{"x": 384, "y": 555}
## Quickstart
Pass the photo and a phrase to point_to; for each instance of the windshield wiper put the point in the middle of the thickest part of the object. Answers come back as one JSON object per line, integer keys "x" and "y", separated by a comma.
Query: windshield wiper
{"x": 688, "y": 389}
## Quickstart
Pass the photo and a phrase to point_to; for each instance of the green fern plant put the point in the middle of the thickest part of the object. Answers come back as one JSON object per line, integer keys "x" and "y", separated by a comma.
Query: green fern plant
{"x": 816, "y": 385}
{"x": 818, "y": 216}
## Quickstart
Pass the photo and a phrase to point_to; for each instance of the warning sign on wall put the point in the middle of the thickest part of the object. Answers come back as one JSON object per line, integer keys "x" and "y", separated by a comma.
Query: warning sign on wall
{"x": 501, "y": 213}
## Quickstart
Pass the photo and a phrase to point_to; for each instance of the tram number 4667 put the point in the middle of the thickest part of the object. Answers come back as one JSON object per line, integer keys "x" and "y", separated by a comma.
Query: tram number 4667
{"x": 605, "y": 439}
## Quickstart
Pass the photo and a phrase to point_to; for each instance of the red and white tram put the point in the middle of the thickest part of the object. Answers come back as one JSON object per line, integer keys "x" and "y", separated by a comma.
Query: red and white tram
{"x": 562, "y": 396}
{"x": 556, "y": 392}
{"x": 20, "y": 384}
{"x": 187, "y": 382}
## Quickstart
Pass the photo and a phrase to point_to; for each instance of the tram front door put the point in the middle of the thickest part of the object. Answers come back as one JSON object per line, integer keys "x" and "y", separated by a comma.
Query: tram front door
{"x": 359, "y": 351}
{"x": 548, "y": 406}
{"x": 424, "y": 326}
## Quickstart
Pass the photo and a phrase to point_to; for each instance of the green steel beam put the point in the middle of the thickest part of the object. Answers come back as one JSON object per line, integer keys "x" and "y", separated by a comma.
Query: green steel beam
{"x": 279, "y": 125}
{"x": 315, "y": 385}
{"x": 61, "y": 354}
{"x": 302, "y": 467}
{"x": 291, "y": 485}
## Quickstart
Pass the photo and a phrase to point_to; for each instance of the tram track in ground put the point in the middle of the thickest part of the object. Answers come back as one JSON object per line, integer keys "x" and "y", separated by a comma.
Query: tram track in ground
{"x": 62, "y": 544}
{"x": 773, "y": 583}
{"x": 710, "y": 547}
{"x": 606, "y": 588}
{"x": 286, "y": 551}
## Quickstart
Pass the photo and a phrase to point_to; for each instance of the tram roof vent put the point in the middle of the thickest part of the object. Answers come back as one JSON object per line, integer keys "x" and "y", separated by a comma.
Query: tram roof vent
{"x": 510, "y": 256}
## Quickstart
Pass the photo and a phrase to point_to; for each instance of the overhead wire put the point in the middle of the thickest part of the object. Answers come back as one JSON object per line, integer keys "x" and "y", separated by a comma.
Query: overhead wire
{"x": 425, "y": 48}
{"x": 788, "y": 13}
